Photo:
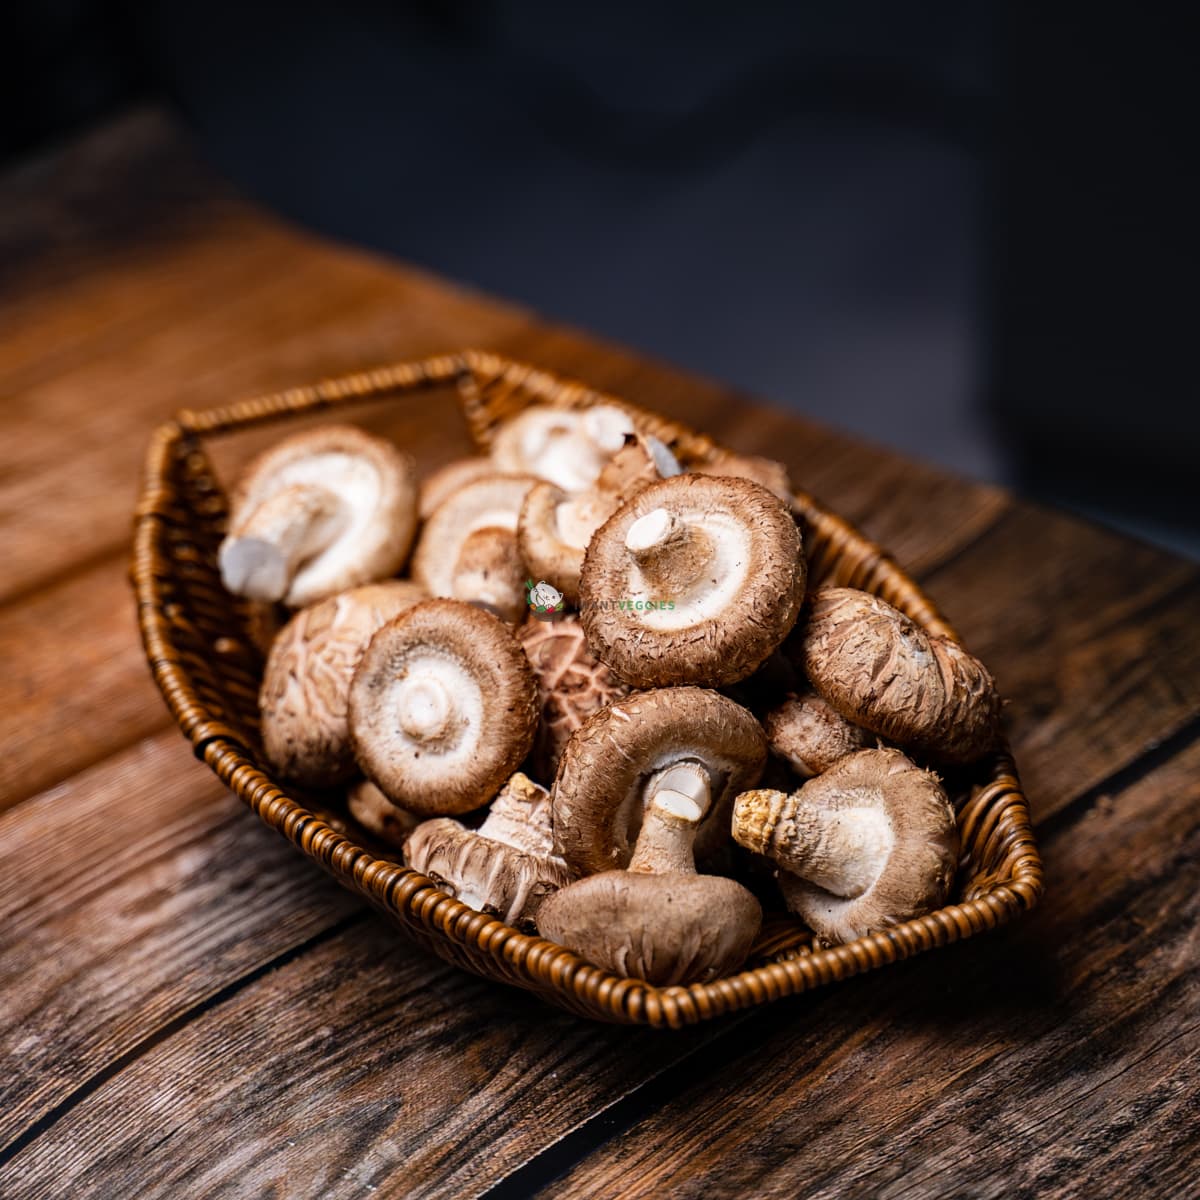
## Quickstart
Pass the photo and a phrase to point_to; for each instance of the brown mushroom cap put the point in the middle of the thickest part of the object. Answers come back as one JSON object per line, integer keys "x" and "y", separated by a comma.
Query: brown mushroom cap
{"x": 443, "y": 708}
{"x": 658, "y": 920}
{"x": 320, "y": 512}
{"x": 507, "y": 866}
{"x": 613, "y": 763}
{"x": 565, "y": 447}
{"x": 572, "y": 685}
{"x": 811, "y": 734}
{"x": 378, "y": 815}
{"x": 882, "y": 671}
{"x": 468, "y": 549}
{"x": 446, "y": 480}
{"x": 870, "y": 843}
{"x": 766, "y": 471}
{"x": 696, "y": 580}
{"x": 305, "y": 691}
{"x": 556, "y": 526}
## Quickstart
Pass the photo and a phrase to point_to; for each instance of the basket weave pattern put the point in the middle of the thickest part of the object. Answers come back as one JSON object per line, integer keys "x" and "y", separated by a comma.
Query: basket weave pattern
{"x": 198, "y": 640}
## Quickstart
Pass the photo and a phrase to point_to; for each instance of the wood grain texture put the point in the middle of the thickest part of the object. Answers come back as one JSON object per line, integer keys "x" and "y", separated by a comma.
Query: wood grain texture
{"x": 1054, "y": 1059}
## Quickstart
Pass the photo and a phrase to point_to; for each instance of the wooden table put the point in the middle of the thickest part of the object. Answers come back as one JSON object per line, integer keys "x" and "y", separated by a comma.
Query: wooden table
{"x": 176, "y": 1024}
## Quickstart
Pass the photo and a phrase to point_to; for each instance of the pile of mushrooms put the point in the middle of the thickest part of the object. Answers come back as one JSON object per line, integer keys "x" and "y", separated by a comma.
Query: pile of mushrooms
{"x": 558, "y": 677}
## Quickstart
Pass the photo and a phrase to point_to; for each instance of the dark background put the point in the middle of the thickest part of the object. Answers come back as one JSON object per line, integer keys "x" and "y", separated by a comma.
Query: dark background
{"x": 961, "y": 229}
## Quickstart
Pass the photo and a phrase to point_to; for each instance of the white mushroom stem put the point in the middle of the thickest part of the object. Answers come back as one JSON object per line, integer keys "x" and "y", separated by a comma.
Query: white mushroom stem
{"x": 263, "y": 553}
{"x": 425, "y": 708}
{"x": 671, "y": 554}
{"x": 606, "y": 428}
{"x": 842, "y": 850}
{"x": 689, "y": 779}
{"x": 664, "y": 845}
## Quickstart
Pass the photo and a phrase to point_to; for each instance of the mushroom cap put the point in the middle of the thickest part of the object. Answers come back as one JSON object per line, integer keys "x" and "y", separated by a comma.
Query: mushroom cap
{"x": 610, "y": 766}
{"x": 766, "y": 471}
{"x": 882, "y": 671}
{"x": 565, "y": 447}
{"x": 447, "y": 479}
{"x": 572, "y": 685}
{"x": 491, "y": 502}
{"x": 443, "y": 708}
{"x": 378, "y": 815}
{"x": 875, "y": 828}
{"x": 715, "y": 619}
{"x": 556, "y": 526}
{"x": 507, "y": 867}
{"x": 304, "y": 698}
{"x": 812, "y": 735}
{"x": 375, "y": 486}
{"x": 665, "y": 929}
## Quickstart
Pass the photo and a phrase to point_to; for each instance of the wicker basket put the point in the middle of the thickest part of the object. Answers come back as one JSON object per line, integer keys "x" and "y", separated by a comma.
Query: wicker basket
{"x": 200, "y": 645}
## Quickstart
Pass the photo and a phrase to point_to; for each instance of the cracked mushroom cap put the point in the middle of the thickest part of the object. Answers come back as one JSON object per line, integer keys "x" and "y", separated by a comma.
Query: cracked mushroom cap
{"x": 304, "y": 698}
{"x": 811, "y": 735}
{"x": 696, "y": 580}
{"x": 320, "y": 512}
{"x": 565, "y": 447}
{"x": 378, "y": 815}
{"x": 572, "y": 685}
{"x": 507, "y": 866}
{"x": 882, "y": 671}
{"x": 689, "y": 740}
{"x": 870, "y": 843}
{"x": 659, "y": 920}
{"x": 556, "y": 526}
{"x": 443, "y": 708}
{"x": 445, "y": 481}
{"x": 468, "y": 549}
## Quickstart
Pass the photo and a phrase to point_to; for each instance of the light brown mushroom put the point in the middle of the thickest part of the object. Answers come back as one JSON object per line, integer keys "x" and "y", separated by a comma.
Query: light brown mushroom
{"x": 870, "y": 843}
{"x": 572, "y": 685}
{"x": 507, "y": 866}
{"x": 304, "y": 697}
{"x": 446, "y": 480}
{"x": 443, "y": 708}
{"x": 882, "y": 671}
{"x": 765, "y": 471}
{"x": 695, "y": 580}
{"x": 320, "y": 512}
{"x": 556, "y": 526}
{"x": 565, "y": 447}
{"x": 378, "y": 815}
{"x": 468, "y": 549}
{"x": 811, "y": 735}
{"x": 658, "y": 920}
{"x": 688, "y": 740}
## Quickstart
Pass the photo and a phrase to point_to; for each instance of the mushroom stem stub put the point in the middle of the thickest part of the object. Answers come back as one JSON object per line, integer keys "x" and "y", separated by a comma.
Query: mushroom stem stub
{"x": 667, "y": 835}
{"x": 425, "y": 709}
{"x": 263, "y": 552}
{"x": 671, "y": 554}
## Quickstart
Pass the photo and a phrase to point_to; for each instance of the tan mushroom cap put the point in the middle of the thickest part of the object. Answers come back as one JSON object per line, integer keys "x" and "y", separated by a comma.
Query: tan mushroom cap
{"x": 765, "y": 471}
{"x": 378, "y": 815}
{"x": 443, "y": 708}
{"x": 320, "y": 512}
{"x": 304, "y": 698}
{"x": 446, "y": 480}
{"x": 468, "y": 549}
{"x": 556, "y": 526}
{"x": 688, "y": 739}
{"x": 882, "y": 671}
{"x": 565, "y": 447}
{"x": 507, "y": 866}
{"x": 658, "y": 920}
{"x": 870, "y": 843}
{"x": 812, "y": 735}
{"x": 572, "y": 685}
{"x": 696, "y": 580}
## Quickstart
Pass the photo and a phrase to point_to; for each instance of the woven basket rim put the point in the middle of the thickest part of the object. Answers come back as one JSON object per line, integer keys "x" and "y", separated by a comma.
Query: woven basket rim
{"x": 997, "y": 808}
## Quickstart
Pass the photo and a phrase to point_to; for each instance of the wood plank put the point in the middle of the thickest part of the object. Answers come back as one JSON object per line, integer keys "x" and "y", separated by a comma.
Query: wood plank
{"x": 128, "y": 896}
{"x": 1050, "y": 1059}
